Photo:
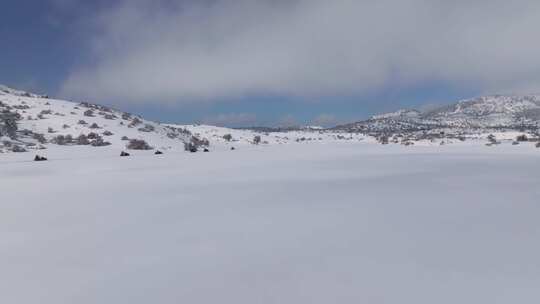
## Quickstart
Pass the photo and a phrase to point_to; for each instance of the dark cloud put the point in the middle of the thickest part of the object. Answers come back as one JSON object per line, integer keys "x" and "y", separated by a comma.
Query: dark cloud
{"x": 231, "y": 120}
{"x": 178, "y": 51}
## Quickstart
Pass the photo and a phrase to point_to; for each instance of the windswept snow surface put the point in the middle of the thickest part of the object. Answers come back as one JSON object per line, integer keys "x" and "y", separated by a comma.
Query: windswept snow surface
{"x": 327, "y": 223}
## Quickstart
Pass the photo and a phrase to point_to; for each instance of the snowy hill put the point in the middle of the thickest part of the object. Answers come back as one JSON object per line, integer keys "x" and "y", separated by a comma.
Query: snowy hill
{"x": 476, "y": 115}
{"x": 29, "y": 121}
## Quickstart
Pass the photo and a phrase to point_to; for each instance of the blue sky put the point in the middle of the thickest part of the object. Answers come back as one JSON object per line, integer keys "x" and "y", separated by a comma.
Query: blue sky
{"x": 268, "y": 62}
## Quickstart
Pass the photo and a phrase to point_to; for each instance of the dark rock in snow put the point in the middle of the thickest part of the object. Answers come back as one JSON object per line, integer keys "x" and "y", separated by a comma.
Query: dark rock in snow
{"x": 40, "y": 158}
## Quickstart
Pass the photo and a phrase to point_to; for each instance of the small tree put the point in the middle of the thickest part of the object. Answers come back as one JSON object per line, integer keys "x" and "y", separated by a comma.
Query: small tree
{"x": 8, "y": 125}
{"x": 257, "y": 139}
{"x": 522, "y": 137}
{"x": 227, "y": 137}
{"x": 492, "y": 139}
{"x": 190, "y": 147}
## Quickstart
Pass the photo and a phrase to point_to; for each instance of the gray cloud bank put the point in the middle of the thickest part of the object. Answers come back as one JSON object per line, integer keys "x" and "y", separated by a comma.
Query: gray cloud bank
{"x": 166, "y": 51}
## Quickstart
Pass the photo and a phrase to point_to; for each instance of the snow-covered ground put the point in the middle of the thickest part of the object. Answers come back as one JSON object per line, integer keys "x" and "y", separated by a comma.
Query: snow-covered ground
{"x": 349, "y": 222}
{"x": 243, "y": 137}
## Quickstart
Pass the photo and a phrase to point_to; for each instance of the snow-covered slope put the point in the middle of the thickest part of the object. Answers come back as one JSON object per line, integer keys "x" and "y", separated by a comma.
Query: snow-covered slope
{"x": 489, "y": 111}
{"x": 41, "y": 122}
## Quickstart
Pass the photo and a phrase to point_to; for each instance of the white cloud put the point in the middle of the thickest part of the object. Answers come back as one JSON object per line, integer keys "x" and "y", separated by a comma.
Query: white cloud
{"x": 152, "y": 50}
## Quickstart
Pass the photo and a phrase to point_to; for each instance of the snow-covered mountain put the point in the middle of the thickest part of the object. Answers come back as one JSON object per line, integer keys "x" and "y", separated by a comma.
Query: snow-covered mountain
{"x": 30, "y": 121}
{"x": 500, "y": 112}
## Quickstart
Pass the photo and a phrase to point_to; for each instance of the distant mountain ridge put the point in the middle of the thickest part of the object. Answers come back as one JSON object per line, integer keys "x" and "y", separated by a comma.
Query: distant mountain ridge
{"x": 503, "y": 112}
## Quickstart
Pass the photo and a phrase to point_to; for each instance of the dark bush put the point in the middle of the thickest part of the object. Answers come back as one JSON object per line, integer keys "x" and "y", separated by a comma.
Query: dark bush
{"x": 135, "y": 122}
{"x": 138, "y": 144}
{"x": 99, "y": 142}
{"x": 63, "y": 140}
{"x": 257, "y": 139}
{"x": 82, "y": 140}
{"x": 522, "y": 138}
{"x": 18, "y": 149}
{"x": 147, "y": 128}
{"x": 8, "y": 124}
{"x": 40, "y": 138}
